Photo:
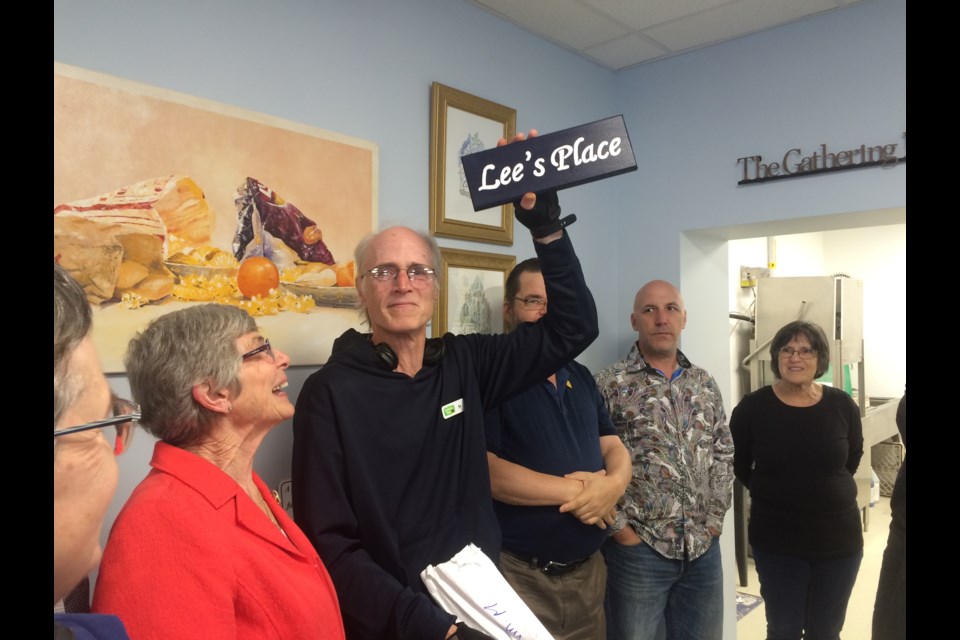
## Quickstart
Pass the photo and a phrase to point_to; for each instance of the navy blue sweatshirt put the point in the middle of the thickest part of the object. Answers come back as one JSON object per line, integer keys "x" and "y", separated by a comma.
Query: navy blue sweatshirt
{"x": 384, "y": 484}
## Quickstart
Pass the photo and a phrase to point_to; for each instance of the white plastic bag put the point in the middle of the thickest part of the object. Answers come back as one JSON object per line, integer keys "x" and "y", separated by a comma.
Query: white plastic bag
{"x": 470, "y": 587}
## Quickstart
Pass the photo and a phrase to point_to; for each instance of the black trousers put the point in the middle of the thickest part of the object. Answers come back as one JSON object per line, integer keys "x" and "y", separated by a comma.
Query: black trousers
{"x": 890, "y": 610}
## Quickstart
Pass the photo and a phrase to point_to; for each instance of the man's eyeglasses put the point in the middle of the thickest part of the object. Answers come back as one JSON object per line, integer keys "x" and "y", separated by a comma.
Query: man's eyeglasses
{"x": 532, "y": 302}
{"x": 265, "y": 347}
{"x": 805, "y": 353}
{"x": 420, "y": 275}
{"x": 126, "y": 415}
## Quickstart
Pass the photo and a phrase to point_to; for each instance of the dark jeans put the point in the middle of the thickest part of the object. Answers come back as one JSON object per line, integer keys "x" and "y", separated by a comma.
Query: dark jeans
{"x": 647, "y": 593}
{"x": 805, "y": 598}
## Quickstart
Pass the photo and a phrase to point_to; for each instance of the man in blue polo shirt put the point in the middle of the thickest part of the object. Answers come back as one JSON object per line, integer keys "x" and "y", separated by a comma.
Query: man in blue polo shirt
{"x": 557, "y": 469}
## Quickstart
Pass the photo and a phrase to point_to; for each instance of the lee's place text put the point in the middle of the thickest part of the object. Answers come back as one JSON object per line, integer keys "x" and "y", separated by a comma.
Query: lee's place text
{"x": 554, "y": 161}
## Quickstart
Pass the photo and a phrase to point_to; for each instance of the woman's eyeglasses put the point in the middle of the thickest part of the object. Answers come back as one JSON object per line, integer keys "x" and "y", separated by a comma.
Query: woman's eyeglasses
{"x": 126, "y": 415}
{"x": 265, "y": 347}
{"x": 805, "y": 353}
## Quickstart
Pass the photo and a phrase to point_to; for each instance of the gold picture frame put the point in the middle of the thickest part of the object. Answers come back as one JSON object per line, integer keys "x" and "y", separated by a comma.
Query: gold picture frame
{"x": 461, "y": 123}
{"x": 471, "y": 292}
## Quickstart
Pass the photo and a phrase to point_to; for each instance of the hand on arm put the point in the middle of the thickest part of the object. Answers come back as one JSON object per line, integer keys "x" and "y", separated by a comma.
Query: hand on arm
{"x": 602, "y": 489}
{"x": 515, "y": 484}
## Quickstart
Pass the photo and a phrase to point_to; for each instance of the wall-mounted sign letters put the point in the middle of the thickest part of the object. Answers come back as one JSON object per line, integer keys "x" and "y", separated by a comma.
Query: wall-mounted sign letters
{"x": 797, "y": 162}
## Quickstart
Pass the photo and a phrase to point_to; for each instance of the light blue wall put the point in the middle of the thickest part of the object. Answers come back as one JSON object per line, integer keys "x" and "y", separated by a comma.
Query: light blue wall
{"x": 838, "y": 78}
{"x": 360, "y": 68}
{"x": 364, "y": 68}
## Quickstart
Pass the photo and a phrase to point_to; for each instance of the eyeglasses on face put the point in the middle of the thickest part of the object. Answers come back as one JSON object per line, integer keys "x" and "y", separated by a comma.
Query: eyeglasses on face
{"x": 420, "y": 275}
{"x": 805, "y": 353}
{"x": 126, "y": 416}
{"x": 533, "y": 302}
{"x": 263, "y": 348}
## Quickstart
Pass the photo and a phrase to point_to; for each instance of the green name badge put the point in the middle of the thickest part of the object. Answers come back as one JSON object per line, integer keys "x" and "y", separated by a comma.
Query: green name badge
{"x": 452, "y": 409}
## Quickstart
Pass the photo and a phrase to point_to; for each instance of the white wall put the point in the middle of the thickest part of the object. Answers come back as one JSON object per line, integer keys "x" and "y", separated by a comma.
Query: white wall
{"x": 837, "y": 78}
{"x": 878, "y": 256}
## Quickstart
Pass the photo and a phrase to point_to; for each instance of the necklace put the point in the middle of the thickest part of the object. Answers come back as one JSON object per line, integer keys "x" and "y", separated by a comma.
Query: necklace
{"x": 262, "y": 503}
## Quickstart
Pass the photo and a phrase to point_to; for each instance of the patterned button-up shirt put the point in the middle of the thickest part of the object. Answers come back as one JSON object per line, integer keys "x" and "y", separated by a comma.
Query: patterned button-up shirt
{"x": 682, "y": 450}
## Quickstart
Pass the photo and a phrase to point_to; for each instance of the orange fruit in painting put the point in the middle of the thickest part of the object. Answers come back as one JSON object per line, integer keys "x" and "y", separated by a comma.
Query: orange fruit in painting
{"x": 256, "y": 276}
{"x": 346, "y": 276}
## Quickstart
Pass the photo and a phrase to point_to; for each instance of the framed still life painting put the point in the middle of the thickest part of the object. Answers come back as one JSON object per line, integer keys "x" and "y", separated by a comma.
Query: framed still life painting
{"x": 163, "y": 200}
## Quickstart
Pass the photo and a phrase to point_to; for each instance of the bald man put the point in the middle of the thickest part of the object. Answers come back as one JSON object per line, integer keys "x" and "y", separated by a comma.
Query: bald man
{"x": 663, "y": 561}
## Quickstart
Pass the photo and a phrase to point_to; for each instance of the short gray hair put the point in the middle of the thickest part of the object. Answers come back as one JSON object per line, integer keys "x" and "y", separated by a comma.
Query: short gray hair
{"x": 177, "y": 351}
{"x": 72, "y": 322}
{"x": 359, "y": 259}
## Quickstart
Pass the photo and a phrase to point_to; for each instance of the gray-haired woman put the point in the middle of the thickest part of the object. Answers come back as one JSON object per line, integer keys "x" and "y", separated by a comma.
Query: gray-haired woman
{"x": 797, "y": 445}
{"x": 201, "y": 549}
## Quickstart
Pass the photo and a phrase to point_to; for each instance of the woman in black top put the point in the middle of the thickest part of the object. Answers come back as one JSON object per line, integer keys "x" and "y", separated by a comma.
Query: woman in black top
{"x": 797, "y": 446}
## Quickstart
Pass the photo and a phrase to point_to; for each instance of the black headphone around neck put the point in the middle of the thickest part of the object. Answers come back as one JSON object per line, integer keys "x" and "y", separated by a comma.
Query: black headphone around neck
{"x": 432, "y": 353}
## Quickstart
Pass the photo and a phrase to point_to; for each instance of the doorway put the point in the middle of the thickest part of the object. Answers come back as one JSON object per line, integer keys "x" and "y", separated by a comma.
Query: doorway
{"x": 868, "y": 245}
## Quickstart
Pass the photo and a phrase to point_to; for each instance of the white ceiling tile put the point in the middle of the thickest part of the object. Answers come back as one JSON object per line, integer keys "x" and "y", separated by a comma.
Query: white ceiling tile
{"x": 732, "y": 21}
{"x": 642, "y": 14}
{"x": 622, "y": 33}
{"x": 625, "y": 51}
{"x": 568, "y": 22}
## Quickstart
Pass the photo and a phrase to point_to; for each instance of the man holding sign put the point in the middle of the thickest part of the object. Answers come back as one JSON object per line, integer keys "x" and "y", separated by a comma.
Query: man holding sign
{"x": 389, "y": 458}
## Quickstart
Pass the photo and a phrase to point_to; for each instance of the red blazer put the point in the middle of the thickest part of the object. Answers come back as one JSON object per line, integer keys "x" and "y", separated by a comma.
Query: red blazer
{"x": 192, "y": 556}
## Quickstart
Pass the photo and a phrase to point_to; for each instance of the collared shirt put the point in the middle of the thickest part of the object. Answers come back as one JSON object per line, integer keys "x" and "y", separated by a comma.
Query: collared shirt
{"x": 676, "y": 431}
{"x": 553, "y": 430}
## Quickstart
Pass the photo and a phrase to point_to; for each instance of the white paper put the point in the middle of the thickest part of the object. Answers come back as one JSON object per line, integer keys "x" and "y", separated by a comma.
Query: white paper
{"x": 470, "y": 587}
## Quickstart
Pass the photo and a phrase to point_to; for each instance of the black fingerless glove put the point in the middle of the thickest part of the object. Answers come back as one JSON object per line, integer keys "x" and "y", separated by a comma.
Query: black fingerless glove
{"x": 544, "y": 218}
{"x": 466, "y": 633}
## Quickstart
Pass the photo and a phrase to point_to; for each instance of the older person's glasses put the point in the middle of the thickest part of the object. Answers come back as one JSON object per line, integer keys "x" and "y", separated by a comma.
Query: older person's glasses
{"x": 263, "y": 348}
{"x": 805, "y": 353}
{"x": 532, "y": 302}
{"x": 126, "y": 415}
{"x": 384, "y": 275}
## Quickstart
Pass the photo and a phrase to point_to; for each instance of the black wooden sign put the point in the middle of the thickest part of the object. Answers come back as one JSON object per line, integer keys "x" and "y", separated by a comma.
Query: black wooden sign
{"x": 557, "y": 160}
